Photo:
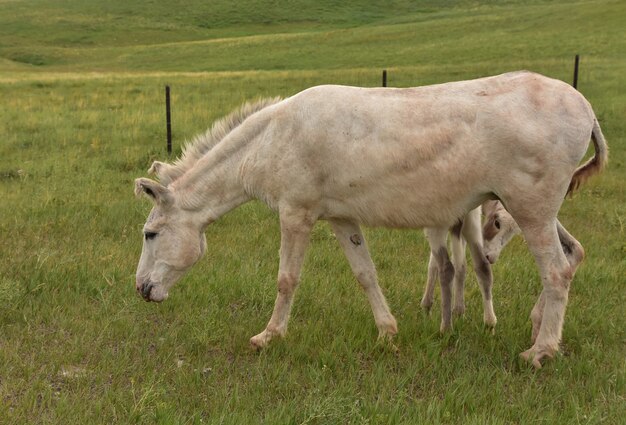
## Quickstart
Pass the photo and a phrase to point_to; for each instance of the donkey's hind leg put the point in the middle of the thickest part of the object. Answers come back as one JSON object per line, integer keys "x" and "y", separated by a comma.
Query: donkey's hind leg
{"x": 295, "y": 227}
{"x": 575, "y": 254}
{"x": 482, "y": 268}
{"x": 437, "y": 240}
{"x": 572, "y": 249}
{"x": 354, "y": 246}
{"x": 556, "y": 275}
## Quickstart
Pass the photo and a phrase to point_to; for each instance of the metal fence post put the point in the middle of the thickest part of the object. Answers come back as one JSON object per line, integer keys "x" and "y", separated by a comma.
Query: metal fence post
{"x": 168, "y": 118}
{"x": 575, "y": 83}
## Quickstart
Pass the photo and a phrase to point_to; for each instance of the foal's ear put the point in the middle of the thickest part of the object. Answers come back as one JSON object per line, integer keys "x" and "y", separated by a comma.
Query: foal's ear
{"x": 489, "y": 207}
{"x": 156, "y": 191}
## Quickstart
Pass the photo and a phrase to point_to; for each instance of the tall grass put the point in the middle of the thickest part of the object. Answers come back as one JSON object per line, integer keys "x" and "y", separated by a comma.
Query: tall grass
{"x": 78, "y": 346}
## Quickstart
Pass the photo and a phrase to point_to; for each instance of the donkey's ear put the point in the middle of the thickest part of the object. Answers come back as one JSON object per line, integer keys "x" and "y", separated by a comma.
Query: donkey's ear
{"x": 155, "y": 168}
{"x": 158, "y": 168}
{"x": 162, "y": 170}
{"x": 156, "y": 191}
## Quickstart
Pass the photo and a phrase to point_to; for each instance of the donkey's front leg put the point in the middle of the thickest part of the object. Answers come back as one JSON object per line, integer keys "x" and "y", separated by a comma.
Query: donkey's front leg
{"x": 295, "y": 227}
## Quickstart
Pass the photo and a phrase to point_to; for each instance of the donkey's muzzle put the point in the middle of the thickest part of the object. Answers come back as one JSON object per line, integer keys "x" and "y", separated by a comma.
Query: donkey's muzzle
{"x": 145, "y": 289}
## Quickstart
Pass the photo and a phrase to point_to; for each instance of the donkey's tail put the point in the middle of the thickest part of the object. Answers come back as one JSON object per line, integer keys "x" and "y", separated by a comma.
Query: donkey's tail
{"x": 596, "y": 163}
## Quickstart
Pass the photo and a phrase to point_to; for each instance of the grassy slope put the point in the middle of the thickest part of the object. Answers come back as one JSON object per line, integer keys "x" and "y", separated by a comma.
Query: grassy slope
{"x": 92, "y": 23}
{"x": 428, "y": 36}
{"x": 77, "y": 346}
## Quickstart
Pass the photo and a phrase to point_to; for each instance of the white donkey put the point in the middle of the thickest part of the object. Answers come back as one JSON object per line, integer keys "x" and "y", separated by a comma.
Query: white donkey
{"x": 403, "y": 158}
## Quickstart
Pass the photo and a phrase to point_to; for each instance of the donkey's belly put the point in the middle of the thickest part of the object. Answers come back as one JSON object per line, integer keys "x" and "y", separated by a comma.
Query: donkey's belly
{"x": 403, "y": 204}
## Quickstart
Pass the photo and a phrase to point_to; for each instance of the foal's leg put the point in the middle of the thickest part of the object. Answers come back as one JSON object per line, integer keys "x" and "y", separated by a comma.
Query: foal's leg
{"x": 473, "y": 234}
{"x": 427, "y": 298}
{"x": 457, "y": 247}
{"x": 295, "y": 229}
{"x": 437, "y": 240}
{"x": 556, "y": 275}
{"x": 575, "y": 254}
{"x": 354, "y": 246}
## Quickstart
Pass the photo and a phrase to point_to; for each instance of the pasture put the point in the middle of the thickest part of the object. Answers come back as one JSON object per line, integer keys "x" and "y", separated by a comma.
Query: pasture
{"x": 82, "y": 116}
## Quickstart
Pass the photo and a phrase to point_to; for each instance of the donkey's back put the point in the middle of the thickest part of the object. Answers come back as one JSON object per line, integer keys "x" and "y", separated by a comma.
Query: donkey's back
{"x": 422, "y": 156}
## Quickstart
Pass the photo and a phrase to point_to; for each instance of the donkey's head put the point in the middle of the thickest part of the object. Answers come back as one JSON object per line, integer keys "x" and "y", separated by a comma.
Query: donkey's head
{"x": 498, "y": 229}
{"x": 172, "y": 242}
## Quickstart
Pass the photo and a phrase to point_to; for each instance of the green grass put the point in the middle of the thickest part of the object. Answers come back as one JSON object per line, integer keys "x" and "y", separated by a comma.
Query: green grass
{"x": 82, "y": 115}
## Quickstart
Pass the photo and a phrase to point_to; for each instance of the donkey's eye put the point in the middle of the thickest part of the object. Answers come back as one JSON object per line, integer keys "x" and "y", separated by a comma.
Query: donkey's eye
{"x": 497, "y": 223}
{"x": 150, "y": 235}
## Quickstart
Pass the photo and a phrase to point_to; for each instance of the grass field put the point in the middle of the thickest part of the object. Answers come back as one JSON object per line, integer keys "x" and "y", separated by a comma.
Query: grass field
{"x": 82, "y": 115}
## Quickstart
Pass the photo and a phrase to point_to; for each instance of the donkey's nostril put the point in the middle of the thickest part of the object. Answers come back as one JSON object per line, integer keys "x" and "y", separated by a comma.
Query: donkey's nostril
{"x": 145, "y": 290}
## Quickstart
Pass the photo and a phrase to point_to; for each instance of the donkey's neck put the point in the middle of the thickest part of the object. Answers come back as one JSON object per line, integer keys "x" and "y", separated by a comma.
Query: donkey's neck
{"x": 212, "y": 187}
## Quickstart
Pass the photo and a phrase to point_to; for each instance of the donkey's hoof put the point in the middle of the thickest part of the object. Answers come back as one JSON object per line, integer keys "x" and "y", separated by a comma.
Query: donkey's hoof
{"x": 385, "y": 336}
{"x": 426, "y": 305}
{"x": 261, "y": 340}
{"x": 388, "y": 329}
{"x": 490, "y": 320}
{"x": 536, "y": 354}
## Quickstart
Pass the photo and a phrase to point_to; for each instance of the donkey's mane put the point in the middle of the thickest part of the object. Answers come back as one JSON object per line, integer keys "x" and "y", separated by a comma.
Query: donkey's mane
{"x": 203, "y": 143}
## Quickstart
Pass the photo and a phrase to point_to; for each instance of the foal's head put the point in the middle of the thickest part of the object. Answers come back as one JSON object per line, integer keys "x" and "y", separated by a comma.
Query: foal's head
{"x": 172, "y": 242}
{"x": 498, "y": 230}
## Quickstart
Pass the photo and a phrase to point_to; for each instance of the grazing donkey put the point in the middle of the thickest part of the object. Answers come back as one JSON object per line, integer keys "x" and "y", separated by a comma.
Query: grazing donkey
{"x": 402, "y": 158}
